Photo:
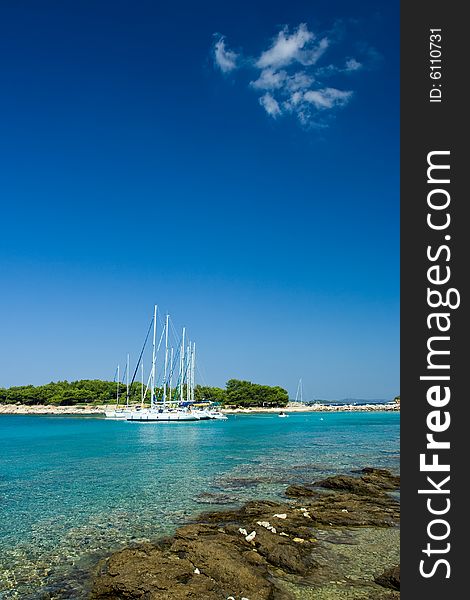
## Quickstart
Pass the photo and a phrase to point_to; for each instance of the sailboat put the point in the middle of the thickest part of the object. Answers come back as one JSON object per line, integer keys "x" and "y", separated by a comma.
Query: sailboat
{"x": 121, "y": 412}
{"x": 299, "y": 394}
{"x": 168, "y": 409}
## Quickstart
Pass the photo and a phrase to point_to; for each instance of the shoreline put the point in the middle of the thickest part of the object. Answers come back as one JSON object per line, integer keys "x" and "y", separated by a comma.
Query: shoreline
{"x": 317, "y": 408}
{"x": 22, "y": 409}
{"x": 315, "y": 543}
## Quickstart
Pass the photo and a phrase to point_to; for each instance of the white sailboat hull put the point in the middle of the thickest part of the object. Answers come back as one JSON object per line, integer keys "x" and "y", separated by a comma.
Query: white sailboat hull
{"x": 162, "y": 415}
{"x": 117, "y": 414}
{"x": 206, "y": 414}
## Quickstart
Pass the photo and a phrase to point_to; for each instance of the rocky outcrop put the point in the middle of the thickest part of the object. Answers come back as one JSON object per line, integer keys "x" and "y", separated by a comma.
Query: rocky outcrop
{"x": 390, "y": 578}
{"x": 300, "y": 491}
{"x": 372, "y": 482}
{"x": 255, "y": 551}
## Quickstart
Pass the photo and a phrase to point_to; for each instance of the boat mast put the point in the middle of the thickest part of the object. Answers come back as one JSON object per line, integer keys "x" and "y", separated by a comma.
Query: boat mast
{"x": 142, "y": 390}
{"x": 182, "y": 365}
{"x": 171, "y": 372}
{"x": 117, "y": 388}
{"x": 188, "y": 374}
{"x": 166, "y": 359}
{"x": 152, "y": 377}
{"x": 299, "y": 394}
{"x": 193, "y": 364}
{"x": 127, "y": 382}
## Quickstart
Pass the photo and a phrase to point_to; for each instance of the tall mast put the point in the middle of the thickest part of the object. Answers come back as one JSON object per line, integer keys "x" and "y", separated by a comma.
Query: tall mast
{"x": 299, "y": 394}
{"x": 127, "y": 382}
{"x": 182, "y": 365}
{"x": 171, "y": 372}
{"x": 193, "y": 364}
{"x": 117, "y": 388}
{"x": 188, "y": 378}
{"x": 152, "y": 377}
{"x": 166, "y": 359}
{"x": 142, "y": 377}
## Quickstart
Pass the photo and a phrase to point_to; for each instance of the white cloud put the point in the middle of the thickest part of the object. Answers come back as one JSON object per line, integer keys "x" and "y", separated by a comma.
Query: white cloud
{"x": 327, "y": 98}
{"x": 270, "y": 105}
{"x": 296, "y": 47}
{"x": 225, "y": 59}
{"x": 299, "y": 81}
{"x": 353, "y": 65}
{"x": 350, "y": 66}
{"x": 288, "y": 78}
{"x": 312, "y": 55}
{"x": 269, "y": 80}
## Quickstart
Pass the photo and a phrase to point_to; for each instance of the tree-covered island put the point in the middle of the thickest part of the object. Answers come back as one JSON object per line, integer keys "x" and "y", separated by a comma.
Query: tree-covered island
{"x": 95, "y": 391}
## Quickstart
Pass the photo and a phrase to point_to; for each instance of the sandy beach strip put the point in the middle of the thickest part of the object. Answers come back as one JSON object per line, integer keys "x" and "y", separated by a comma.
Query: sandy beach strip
{"x": 21, "y": 409}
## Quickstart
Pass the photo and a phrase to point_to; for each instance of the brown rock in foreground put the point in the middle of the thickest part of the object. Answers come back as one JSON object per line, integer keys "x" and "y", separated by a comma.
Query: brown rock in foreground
{"x": 390, "y": 578}
{"x": 253, "y": 551}
{"x": 372, "y": 482}
{"x": 300, "y": 491}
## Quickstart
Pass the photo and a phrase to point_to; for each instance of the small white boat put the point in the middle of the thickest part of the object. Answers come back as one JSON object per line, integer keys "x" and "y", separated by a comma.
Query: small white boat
{"x": 216, "y": 414}
{"x": 210, "y": 413}
{"x": 282, "y": 414}
{"x": 203, "y": 414}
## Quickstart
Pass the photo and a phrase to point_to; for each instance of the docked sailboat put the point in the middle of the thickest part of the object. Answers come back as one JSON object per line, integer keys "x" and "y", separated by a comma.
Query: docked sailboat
{"x": 166, "y": 409}
{"x": 121, "y": 412}
{"x": 299, "y": 396}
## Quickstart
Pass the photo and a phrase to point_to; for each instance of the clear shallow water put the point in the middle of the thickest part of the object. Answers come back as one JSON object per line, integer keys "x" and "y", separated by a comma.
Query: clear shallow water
{"x": 73, "y": 488}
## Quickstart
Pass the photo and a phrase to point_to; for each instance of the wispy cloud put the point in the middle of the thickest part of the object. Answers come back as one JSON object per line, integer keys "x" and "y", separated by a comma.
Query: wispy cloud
{"x": 224, "y": 59}
{"x": 289, "y": 77}
{"x": 300, "y": 46}
{"x": 327, "y": 98}
{"x": 270, "y": 105}
{"x": 352, "y": 65}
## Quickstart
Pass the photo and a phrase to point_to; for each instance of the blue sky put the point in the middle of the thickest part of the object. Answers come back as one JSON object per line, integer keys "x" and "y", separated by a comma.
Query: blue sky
{"x": 140, "y": 166}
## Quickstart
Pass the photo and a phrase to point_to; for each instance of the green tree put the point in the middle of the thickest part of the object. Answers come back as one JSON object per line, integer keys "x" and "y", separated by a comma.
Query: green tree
{"x": 245, "y": 393}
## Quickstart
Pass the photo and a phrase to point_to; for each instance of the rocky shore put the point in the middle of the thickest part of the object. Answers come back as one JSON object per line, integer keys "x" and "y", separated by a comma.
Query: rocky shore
{"x": 90, "y": 409}
{"x": 391, "y": 407}
{"x": 47, "y": 409}
{"x": 330, "y": 539}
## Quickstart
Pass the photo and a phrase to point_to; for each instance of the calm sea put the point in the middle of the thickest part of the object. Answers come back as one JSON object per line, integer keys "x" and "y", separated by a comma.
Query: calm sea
{"x": 74, "y": 488}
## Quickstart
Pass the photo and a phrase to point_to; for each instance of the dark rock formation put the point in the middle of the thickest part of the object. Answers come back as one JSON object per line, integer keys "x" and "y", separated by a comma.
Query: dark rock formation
{"x": 390, "y": 578}
{"x": 299, "y": 491}
{"x": 373, "y": 482}
{"x": 249, "y": 552}
{"x": 380, "y": 477}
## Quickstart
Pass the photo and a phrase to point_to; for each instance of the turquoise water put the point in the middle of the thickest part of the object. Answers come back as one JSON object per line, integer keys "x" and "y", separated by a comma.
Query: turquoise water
{"x": 73, "y": 488}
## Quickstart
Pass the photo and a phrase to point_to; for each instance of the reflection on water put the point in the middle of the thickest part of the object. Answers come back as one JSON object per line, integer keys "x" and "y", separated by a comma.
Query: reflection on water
{"x": 72, "y": 488}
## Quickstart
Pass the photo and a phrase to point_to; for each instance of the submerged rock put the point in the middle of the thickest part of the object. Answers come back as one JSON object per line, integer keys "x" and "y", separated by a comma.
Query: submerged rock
{"x": 210, "y": 498}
